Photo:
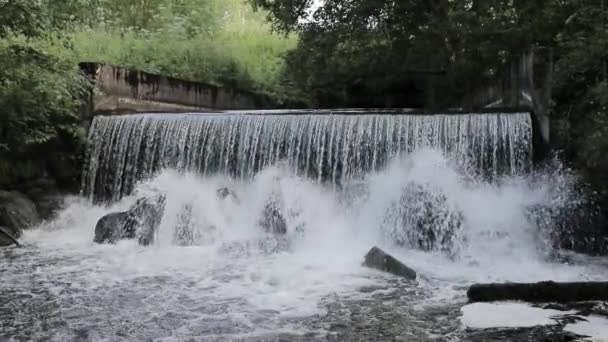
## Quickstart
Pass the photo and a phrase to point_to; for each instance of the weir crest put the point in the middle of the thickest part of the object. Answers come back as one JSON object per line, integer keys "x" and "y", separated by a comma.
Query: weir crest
{"x": 330, "y": 148}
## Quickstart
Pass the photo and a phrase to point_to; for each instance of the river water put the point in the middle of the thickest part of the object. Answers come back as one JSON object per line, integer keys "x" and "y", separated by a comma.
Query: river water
{"x": 234, "y": 282}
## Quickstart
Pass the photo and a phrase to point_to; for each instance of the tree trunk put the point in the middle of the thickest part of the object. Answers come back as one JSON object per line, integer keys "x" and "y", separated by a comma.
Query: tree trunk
{"x": 543, "y": 292}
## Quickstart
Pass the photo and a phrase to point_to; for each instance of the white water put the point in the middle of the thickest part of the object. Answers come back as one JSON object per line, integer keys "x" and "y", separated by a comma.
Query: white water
{"x": 225, "y": 285}
{"x": 331, "y": 148}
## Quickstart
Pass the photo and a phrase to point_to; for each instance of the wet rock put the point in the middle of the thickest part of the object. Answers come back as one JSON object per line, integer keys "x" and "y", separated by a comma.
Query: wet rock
{"x": 49, "y": 204}
{"x": 192, "y": 230}
{"x": 148, "y": 213}
{"x": 141, "y": 221}
{"x": 546, "y": 291}
{"x": 572, "y": 216}
{"x": 17, "y": 212}
{"x": 272, "y": 219}
{"x": 113, "y": 227}
{"x": 223, "y": 193}
{"x": 380, "y": 260}
{"x": 8, "y": 237}
{"x": 185, "y": 234}
{"x": 423, "y": 219}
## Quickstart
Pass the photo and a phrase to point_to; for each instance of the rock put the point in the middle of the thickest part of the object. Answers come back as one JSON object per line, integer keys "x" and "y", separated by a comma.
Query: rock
{"x": 8, "y": 238}
{"x": 49, "y": 204}
{"x": 113, "y": 227}
{"x": 542, "y": 292}
{"x": 191, "y": 230}
{"x": 148, "y": 214}
{"x": 423, "y": 219}
{"x": 185, "y": 234}
{"x": 17, "y": 212}
{"x": 141, "y": 221}
{"x": 223, "y": 193}
{"x": 380, "y": 260}
{"x": 272, "y": 219}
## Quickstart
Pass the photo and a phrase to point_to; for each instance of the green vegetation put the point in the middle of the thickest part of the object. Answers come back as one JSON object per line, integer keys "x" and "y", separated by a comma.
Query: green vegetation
{"x": 383, "y": 48}
{"x": 41, "y": 43}
{"x": 345, "y": 53}
{"x": 214, "y": 41}
{"x": 39, "y": 97}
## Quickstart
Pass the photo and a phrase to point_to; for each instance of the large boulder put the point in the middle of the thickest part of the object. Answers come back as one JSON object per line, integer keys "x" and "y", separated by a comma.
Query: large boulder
{"x": 114, "y": 227}
{"x": 48, "y": 205}
{"x": 17, "y": 212}
{"x": 141, "y": 221}
{"x": 422, "y": 218}
{"x": 576, "y": 224}
{"x": 382, "y": 261}
{"x": 47, "y": 197}
{"x": 7, "y": 237}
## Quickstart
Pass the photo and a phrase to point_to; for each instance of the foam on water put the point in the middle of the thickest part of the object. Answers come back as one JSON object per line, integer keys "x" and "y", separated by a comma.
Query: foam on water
{"x": 508, "y": 315}
{"x": 522, "y": 315}
{"x": 236, "y": 280}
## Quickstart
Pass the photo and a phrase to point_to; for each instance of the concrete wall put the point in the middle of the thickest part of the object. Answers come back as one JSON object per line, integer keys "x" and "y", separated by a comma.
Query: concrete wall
{"x": 121, "y": 90}
{"x": 527, "y": 85}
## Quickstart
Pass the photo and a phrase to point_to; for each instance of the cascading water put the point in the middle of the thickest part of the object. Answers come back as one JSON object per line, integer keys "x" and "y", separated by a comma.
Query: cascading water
{"x": 333, "y": 148}
{"x": 448, "y": 195}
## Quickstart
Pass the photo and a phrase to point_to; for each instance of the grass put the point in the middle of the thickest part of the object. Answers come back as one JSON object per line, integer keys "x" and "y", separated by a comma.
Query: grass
{"x": 242, "y": 52}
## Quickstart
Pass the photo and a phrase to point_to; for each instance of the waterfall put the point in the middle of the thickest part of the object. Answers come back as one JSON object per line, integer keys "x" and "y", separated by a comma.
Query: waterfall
{"x": 254, "y": 252}
{"x": 333, "y": 148}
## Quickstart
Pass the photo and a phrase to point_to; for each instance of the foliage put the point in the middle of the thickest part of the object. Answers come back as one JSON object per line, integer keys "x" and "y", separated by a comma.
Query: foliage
{"x": 39, "y": 101}
{"x": 33, "y": 18}
{"x": 213, "y": 41}
{"x": 582, "y": 82}
{"x": 39, "y": 92}
{"x": 342, "y": 53}
{"x": 387, "y": 48}
{"x": 38, "y": 96}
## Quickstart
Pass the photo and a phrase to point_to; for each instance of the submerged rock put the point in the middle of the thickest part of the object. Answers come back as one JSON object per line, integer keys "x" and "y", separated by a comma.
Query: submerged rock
{"x": 423, "y": 219}
{"x": 542, "y": 292}
{"x": 141, "y": 221}
{"x": 223, "y": 193}
{"x": 380, "y": 260}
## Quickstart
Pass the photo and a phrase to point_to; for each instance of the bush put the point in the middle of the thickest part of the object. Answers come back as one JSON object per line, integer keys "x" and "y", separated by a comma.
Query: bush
{"x": 39, "y": 116}
{"x": 237, "y": 50}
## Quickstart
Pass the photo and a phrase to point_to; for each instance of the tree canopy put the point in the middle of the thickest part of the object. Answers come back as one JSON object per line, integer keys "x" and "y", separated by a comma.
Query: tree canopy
{"x": 358, "y": 53}
{"x": 382, "y": 44}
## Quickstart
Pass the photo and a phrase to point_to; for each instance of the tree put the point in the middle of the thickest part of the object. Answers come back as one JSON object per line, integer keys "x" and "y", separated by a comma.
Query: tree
{"x": 39, "y": 92}
{"x": 581, "y": 92}
{"x": 35, "y": 18}
{"x": 394, "y": 48}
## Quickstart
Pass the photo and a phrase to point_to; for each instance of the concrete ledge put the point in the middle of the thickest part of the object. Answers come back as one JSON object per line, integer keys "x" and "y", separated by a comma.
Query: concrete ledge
{"x": 526, "y": 84}
{"x": 109, "y": 104}
{"x": 122, "y": 90}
